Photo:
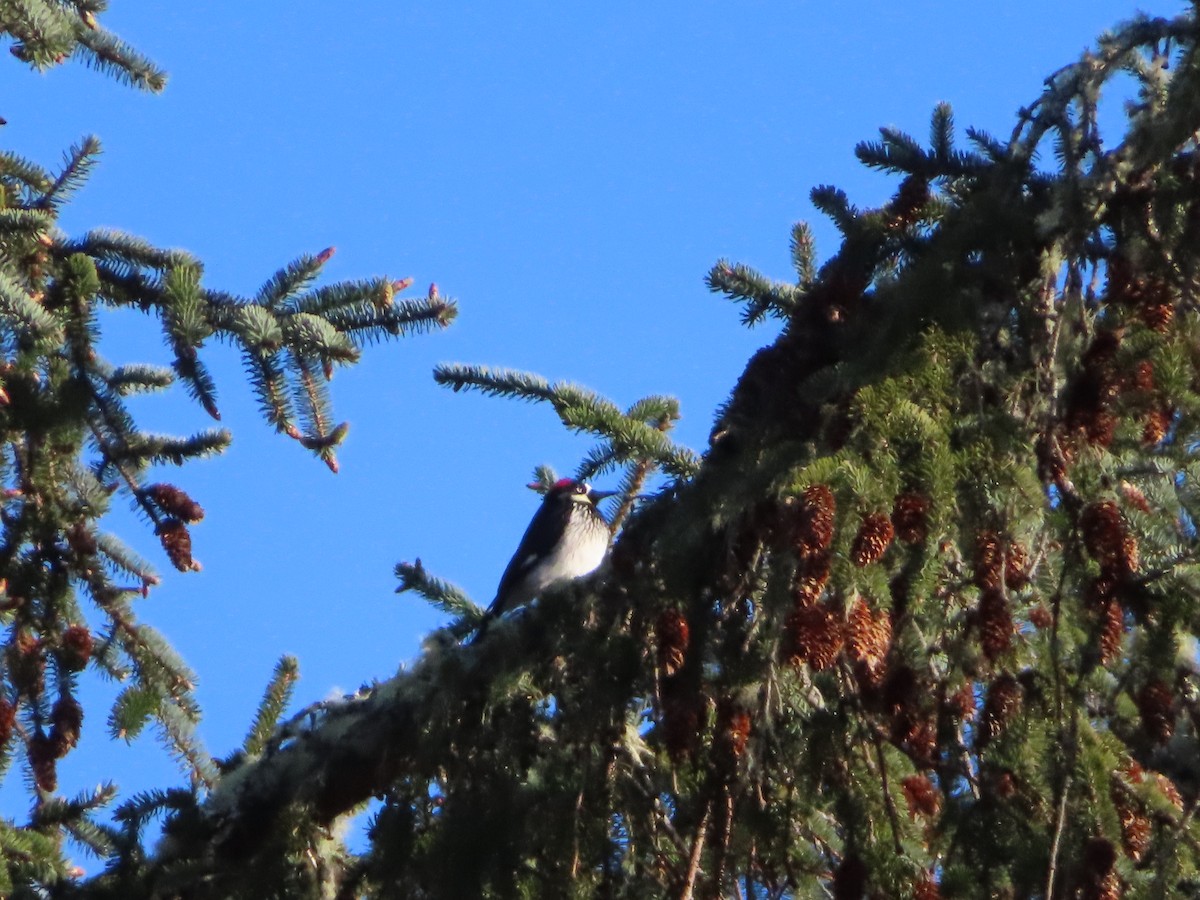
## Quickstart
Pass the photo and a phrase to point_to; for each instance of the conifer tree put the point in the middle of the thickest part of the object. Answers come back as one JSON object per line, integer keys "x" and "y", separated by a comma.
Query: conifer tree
{"x": 920, "y": 622}
{"x": 70, "y": 448}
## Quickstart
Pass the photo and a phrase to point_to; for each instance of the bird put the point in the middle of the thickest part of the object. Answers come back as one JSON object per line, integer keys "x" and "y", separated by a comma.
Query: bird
{"x": 566, "y": 539}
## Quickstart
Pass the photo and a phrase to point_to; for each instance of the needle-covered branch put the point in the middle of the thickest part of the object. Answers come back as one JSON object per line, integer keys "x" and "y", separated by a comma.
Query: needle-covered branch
{"x": 581, "y": 410}
{"x": 69, "y": 442}
{"x": 47, "y": 32}
{"x": 920, "y": 623}
{"x": 449, "y": 598}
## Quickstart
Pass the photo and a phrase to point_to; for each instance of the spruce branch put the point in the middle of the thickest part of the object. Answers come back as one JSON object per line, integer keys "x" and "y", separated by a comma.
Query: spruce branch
{"x": 78, "y": 163}
{"x": 804, "y": 254}
{"x": 762, "y": 296}
{"x": 275, "y": 699}
{"x": 580, "y": 410}
{"x": 447, "y": 597}
{"x": 107, "y": 53}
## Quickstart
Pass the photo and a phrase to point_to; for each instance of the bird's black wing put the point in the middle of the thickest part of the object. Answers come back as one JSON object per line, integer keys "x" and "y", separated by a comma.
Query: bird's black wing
{"x": 546, "y": 527}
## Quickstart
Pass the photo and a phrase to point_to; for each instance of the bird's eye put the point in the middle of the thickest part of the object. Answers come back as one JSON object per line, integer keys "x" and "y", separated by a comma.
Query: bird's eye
{"x": 581, "y": 488}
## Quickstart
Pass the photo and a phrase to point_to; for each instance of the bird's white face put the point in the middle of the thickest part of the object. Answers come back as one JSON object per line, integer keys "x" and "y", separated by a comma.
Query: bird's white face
{"x": 581, "y": 493}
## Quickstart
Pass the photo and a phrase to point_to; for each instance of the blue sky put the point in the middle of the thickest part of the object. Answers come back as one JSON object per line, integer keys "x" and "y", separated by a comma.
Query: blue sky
{"x": 567, "y": 172}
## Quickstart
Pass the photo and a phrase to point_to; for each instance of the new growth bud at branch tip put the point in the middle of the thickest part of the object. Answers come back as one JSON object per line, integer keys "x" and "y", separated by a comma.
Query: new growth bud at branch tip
{"x": 325, "y": 255}
{"x": 402, "y": 285}
{"x": 433, "y": 290}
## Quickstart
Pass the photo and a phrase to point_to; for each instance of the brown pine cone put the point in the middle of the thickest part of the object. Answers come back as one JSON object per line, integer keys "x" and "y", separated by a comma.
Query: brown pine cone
{"x": 1155, "y": 703}
{"x": 910, "y": 517}
{"x": 76, "y": 648}
{"x": 1112, "y": 630}
{"x": 868, "y": 636}
{"x": 873, "y": 538}
{"x": 1158, "y": 423}
{"x": 1003, "y": 701}
{"x": 922, "y": 797}
{"x": 995, "y": 624}
{"x": 174, "y": 502}
{"x": 177, "y": 541}
{"x": 814, "y": 530}
{"x": 813, "y": 635}
{"x": 988, "y": 560}
{"x": 672, "y": 634}
{"x": 811, "y": 575}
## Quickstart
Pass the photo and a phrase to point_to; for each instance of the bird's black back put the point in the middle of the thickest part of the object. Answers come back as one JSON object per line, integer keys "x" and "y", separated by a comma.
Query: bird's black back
{"x": 547, "y": 524}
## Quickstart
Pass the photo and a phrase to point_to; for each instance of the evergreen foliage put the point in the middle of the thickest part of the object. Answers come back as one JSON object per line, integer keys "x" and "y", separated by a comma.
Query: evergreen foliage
{"x": 920, "y": 623}
{"x": 69, "y": 446}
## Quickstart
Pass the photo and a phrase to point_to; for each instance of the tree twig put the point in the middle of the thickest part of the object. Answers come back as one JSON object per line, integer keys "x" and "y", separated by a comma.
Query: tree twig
{"x": 689, "y": 884}
{"x": 1058, "y": 830}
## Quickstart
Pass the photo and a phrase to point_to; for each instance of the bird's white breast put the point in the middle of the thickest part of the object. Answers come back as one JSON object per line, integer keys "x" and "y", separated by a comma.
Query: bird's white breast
{"x": 572, "y": 561}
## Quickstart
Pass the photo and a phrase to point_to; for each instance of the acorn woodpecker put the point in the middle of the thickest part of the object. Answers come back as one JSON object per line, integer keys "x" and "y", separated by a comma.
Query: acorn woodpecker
{"x": 566, "y": 539}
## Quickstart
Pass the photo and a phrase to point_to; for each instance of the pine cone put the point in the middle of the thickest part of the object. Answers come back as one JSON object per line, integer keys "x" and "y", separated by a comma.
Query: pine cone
{"x": 910, "y": 517}
{"x": 812, "y": 635}
{"x": 43, "y": 763}
{"x": 916, "y": 735}
{"x": 867, "y": 636}
{"x": 1158, "y": 423}
{"x": 673, "y": 634}
{"x": 682, "y": 719}
{"x": 1100, "y": 428}
{"x": 1155, "y": 703}
{"x": 8, "y": 717}
{"x": 76, "y": 648}
{"x": 1112, "y": 630}
{"x": 1100, "y": 881}
{"x": 1040, "y": 617}
{"x": 27, "y": 665}
{"x": 1134, "y": 497}
{"x": 1168, "y": 789}
{"x": 873, "y": 538}
{"x": 177, "y": 541}
{"x": 66, "y": 722}
{"x": 961, "y": 704}
{"x": 1003, "y": 702}
{"x": 1103, "y": 529}
{"x": 926, "y": 890}
{"x": 1100, "y": 591}
{"x": 732, "y": 735}
{"x": 1157, "y": 316}
{"x": 1016, "y": 567}
{"x": 1135, "y": 826}
{"x": 814, "y": 531}
{"x": 988, "y": 560}
{"x": 995, "y": 624}
{"x": 811, "y": 575}
{"x": 174, "y": 502}
{"x": 922, "y": 797}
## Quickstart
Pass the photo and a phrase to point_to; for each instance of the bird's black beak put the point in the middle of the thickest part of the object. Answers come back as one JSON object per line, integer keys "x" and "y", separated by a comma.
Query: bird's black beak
{"x": 597, "y": 496}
